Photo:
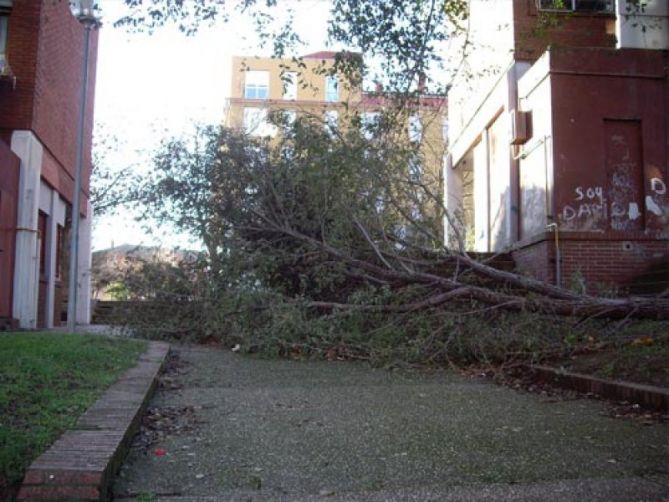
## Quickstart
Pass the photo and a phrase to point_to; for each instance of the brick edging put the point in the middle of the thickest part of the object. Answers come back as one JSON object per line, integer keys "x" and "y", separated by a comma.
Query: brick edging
{"x": 648, "y": 396}
{"x": 81, "y": 464}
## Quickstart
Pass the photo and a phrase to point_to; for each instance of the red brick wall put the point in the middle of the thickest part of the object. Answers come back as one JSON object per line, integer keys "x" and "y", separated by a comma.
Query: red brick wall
{"x": 45, "y": 52}
{"x": 592, "y": 91}
{"x": 16, "y": 103}
{"x": 536, "y": 260}
{"x": 612, "y": 261}
{"x": 57, "y": 90}
{"x": 598, "y": 262}
{"x": 534, "y": 32}
{"x": 593, "y": 88}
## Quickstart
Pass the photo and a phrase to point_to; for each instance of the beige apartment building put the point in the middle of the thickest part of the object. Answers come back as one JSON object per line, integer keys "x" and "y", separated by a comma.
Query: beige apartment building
{"x": 306, "y": 86}
{"x": 262, "y": 85}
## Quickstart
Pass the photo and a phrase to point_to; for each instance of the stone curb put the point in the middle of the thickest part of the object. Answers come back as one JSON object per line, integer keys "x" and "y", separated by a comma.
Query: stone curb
{"x": 81, "y": 464}
{"x": 648, "y": 396}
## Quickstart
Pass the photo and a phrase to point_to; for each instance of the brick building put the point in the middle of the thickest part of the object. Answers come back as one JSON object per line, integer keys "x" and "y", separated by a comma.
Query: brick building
{"x": 559, "y": 144}
{"x": 41, "y": 57}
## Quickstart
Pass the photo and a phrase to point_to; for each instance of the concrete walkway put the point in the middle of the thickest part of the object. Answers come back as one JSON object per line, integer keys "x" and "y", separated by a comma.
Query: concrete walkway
{"x": 286, "y": 430}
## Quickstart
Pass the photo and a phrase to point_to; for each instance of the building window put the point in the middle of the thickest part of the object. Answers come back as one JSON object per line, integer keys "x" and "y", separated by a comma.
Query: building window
{"x": 577, "y": 5}
{"x": 415, "y": 169}
{"x": 331, "y": 89}
{"x": 290, "y": 85}
{"x": 256, "y": 85}
{"x": 380, "y": 203}
{"x": 331, "y": 118}
{"x": 41, "y": 229}
{"x": 369, "y": 124}
{"x": 289, "y": 117}
{"x": 415, "y": 129}
{"x": 256, "y": 123}
{"x": 287, "y": 120}
{"x": 4, "y": 24}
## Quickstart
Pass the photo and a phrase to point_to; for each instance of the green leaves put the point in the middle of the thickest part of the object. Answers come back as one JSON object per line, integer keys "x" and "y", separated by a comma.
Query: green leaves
{"x": 404, "y": 38}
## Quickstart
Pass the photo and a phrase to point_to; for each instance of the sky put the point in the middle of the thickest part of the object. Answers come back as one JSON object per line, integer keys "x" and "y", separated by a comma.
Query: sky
{"x": 153, "y": 86}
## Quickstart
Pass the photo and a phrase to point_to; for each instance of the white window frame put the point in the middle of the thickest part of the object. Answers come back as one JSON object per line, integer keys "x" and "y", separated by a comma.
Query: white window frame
{"x": 331, "y": 89}
{"x": 574, "y": 6}
{"x": 256, "y": 84}
{"x": 290, "y": 85}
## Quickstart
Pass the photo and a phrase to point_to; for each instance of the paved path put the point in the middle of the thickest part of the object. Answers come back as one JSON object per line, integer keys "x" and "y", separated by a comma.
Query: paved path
{"x": 286, "y": 430}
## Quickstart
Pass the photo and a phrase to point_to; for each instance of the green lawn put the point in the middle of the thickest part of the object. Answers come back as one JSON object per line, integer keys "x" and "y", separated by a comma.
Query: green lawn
{"x": 46, "y": 381}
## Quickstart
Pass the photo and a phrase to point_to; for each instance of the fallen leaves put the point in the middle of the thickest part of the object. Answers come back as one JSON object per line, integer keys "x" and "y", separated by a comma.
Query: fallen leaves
{"x": 160, "y": 423}
{"x": 643, "y": 341}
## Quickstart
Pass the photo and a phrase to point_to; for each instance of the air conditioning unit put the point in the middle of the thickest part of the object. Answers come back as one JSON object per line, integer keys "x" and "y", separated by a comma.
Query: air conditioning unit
{"x": 521, "y": 127}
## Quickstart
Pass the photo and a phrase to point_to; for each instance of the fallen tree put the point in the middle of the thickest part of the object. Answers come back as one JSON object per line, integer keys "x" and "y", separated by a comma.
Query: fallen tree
{"x": 330, "y": 242}
{"x": 531, "y": 295}
{"x": 324, "y": 243}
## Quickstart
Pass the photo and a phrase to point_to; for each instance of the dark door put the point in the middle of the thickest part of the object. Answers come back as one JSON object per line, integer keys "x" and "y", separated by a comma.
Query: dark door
{"x": 9, "y": 181}
{"x": 624, "y": 172}
{"x": 42, "y": 219}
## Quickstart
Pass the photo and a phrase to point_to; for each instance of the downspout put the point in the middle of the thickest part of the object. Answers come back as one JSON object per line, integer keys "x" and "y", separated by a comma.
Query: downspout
{"x": 554, "y": 227}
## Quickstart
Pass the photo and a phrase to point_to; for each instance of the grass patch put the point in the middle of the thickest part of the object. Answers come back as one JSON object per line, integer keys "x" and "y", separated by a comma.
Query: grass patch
{"x": 642, "y": 356}
{"x": 46, "y": 381}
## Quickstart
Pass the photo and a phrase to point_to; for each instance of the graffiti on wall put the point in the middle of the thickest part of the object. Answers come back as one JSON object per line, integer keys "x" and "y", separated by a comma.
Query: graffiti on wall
{"x": 589, "y": 204}
{"x": 657, "y": 188}
{"x": 624, "y": 174}
{"x": 633, "y": 194}
{"x": 625, "y": 213}
{"x": 592, "y": 204}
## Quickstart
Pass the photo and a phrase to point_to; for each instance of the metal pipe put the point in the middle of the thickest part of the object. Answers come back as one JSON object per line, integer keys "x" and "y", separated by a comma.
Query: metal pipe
{"x": 558, "y": 270}
{"x": 76, "y": 198}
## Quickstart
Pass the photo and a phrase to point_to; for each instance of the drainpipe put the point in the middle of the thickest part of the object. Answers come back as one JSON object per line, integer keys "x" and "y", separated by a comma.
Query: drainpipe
{"x": 83, "y": 11}
{"x": 554, "y": 227}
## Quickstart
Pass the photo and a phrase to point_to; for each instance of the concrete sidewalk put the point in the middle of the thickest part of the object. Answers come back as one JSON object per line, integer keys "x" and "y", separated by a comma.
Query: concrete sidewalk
{"x": 286, "y": 430}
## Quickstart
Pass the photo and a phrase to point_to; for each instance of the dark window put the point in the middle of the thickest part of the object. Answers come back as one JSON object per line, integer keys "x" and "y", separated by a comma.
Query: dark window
{"x": 5, "y": 9}
{"x": 59, "y": 250}
{"x": 41, "y": 229}
{"x": 4, "y": 22}
{"x": 576, "y": 5}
